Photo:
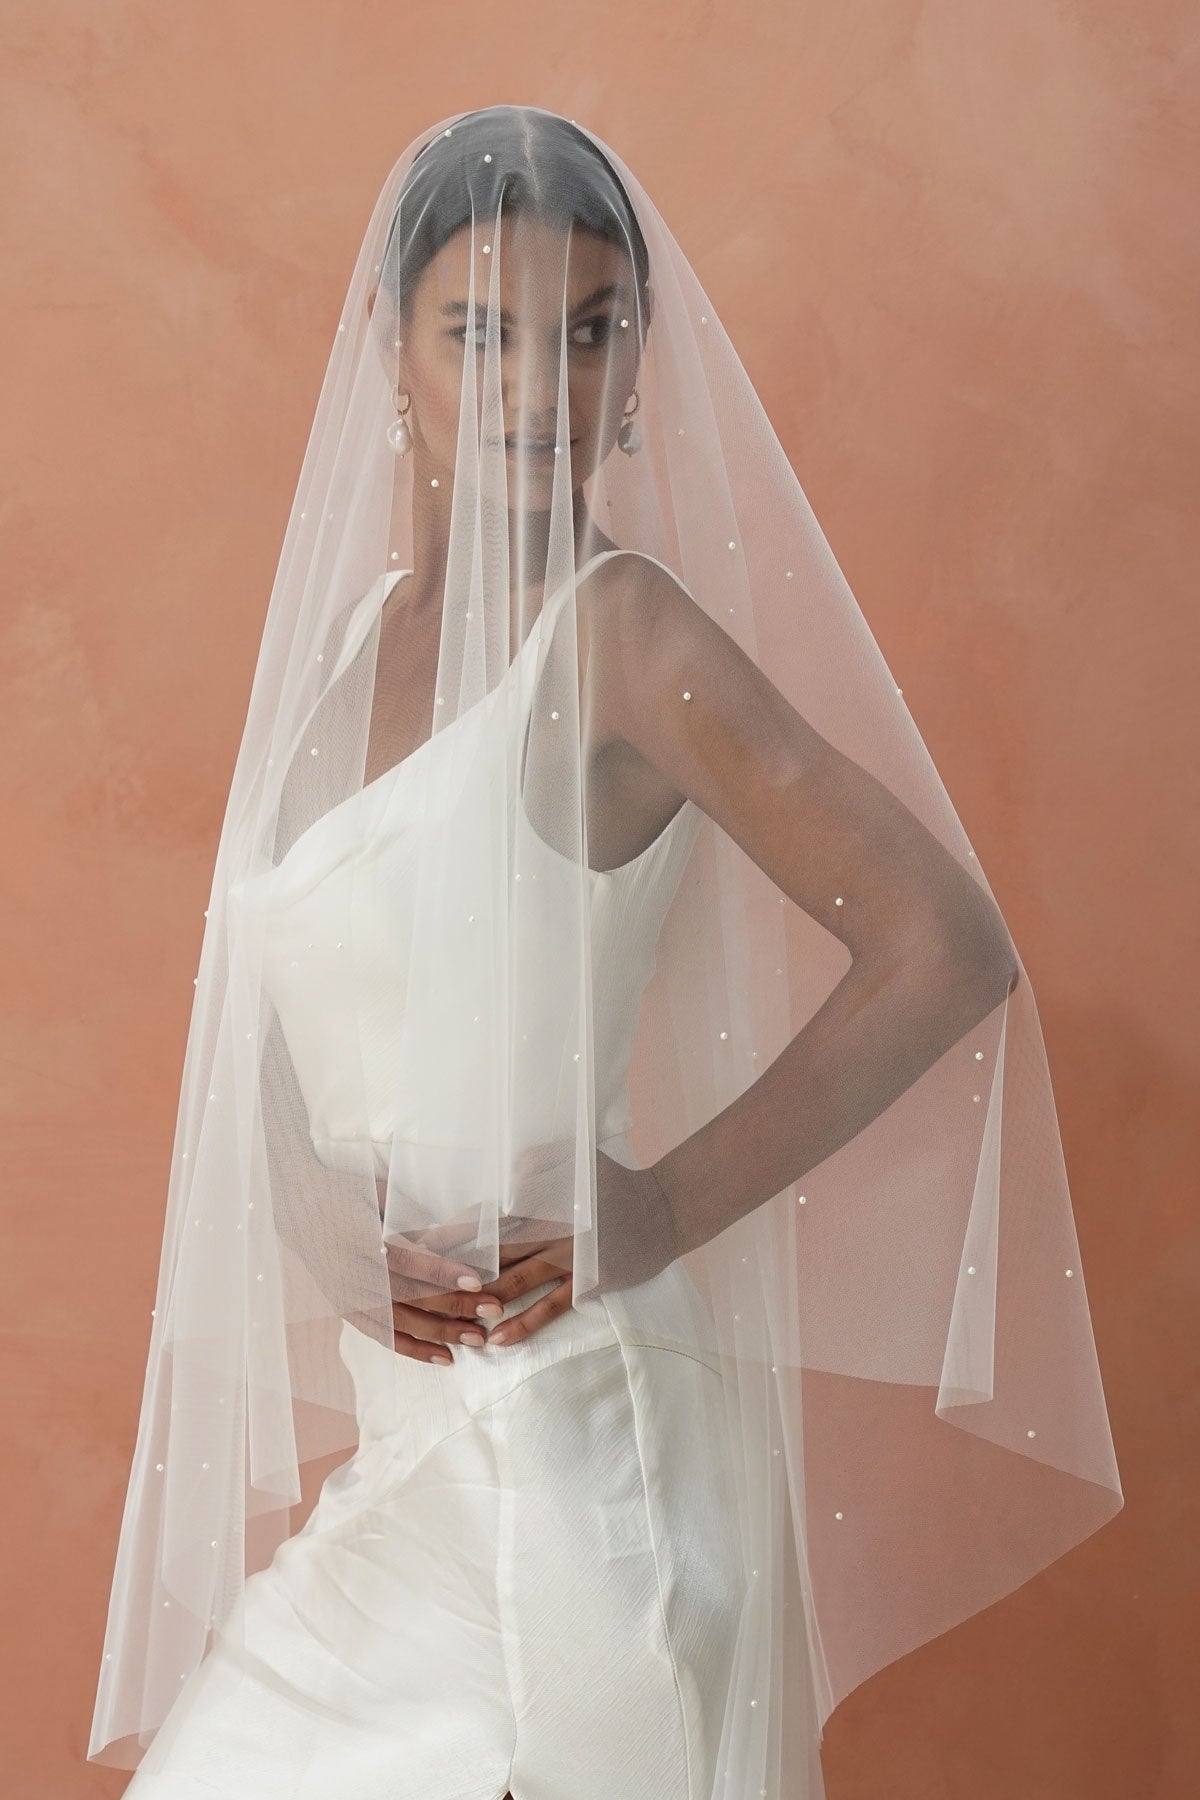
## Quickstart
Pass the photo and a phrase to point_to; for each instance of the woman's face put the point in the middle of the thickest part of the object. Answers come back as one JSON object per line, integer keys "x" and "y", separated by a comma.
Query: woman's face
{"x": 543, "y": 276}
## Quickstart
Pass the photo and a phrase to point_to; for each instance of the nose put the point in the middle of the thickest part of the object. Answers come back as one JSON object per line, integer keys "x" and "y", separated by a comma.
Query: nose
{"x": 530, "y": 386}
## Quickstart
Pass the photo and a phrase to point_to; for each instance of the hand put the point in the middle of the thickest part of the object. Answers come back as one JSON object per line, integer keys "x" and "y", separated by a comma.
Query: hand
{"x": 533, "y": 1264}
{"x": 424, "y": 1323}
{"x": 637, "y": 1240}
{"x": 451, "y": 1314}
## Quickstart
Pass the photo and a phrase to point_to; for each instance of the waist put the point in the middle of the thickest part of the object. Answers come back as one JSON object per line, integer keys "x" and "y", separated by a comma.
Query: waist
{"x": 398, "y": 1394}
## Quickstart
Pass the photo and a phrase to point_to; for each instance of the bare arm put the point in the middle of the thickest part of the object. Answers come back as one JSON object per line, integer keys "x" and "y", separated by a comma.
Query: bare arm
{"x": 931, "y": 954}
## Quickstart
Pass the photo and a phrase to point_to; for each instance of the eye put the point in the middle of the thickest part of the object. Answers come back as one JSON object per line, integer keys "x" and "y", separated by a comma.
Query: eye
{"x": 479, "y": 333}
{"x": 600, "y": 327}
{"x": 601, "y": 323}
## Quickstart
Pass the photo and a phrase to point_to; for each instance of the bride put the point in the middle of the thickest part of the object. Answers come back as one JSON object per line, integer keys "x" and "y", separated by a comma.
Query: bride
{"x": 591, "y": 1114}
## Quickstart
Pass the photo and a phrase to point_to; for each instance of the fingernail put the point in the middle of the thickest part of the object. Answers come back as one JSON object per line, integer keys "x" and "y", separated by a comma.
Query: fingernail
{"x": 501, "y": 1336}
{"x": 470, "y": 1281}
{"x": 489, "y": 1309}
{"x": 472, "y": 1337}
{"x": 439, "y": 1357}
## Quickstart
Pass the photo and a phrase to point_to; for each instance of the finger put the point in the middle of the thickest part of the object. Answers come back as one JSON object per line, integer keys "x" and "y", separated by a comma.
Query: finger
{"x": 442, "y": 1238}
{"x": 515, "y": 1252}
{"x": 420, "y": 1351}
{"x": 523, "y": 1276}
{"x": 429, "y": 1244}
{"x": 423, "y": 1265}
{"x": 456, "y": 1305}
{"x": 436, "y": 1327}
{"x": 532, "y": 1318}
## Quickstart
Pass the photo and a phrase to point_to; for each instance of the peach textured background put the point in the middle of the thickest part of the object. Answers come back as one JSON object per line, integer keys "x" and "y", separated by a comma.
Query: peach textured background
{"x": 956, "y": 246}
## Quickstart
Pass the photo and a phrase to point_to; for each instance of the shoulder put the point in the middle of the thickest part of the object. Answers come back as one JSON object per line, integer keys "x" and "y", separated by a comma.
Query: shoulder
{"x": 640, "y": 614}
{"x": 638, "y": 605}
{"x": 627, "y": 576}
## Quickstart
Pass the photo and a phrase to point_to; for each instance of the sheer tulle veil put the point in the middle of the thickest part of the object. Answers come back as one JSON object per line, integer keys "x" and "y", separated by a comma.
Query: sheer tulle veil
{"x": 548, "y": 577}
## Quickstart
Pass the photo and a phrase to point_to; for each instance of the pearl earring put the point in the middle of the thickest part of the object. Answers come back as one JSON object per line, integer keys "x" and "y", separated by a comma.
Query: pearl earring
{"x": 398, "y": 434}
{"x": 629, "y": 438}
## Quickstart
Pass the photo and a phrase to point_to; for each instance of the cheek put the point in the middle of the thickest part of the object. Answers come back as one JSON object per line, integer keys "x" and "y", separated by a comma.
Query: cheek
{"x": 598, "y": 401}
{"x": 439, "y": 397}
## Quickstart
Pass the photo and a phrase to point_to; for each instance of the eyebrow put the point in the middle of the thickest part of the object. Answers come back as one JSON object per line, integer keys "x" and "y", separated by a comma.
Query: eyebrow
{"x": 456, "y": 309}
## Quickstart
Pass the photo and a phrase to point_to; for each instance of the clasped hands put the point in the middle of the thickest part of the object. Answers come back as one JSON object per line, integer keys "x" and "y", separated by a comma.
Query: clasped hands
{"x": 460, "y": 1309}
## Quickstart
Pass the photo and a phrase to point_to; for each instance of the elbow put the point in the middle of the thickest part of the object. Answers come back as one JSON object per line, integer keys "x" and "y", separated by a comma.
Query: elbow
{"x": 977, "y": 947}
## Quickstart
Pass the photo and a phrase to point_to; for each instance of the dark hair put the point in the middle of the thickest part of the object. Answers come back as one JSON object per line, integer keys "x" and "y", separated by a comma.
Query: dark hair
{"x": 536, "y": 163}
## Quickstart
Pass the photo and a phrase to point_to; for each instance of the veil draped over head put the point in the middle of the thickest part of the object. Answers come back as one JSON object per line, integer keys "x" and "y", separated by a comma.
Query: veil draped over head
{"x": 585, "y": 881}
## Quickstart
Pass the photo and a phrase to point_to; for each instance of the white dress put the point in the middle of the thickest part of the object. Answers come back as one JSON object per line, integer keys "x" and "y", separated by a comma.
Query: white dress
{"x": 532, "y": 1582}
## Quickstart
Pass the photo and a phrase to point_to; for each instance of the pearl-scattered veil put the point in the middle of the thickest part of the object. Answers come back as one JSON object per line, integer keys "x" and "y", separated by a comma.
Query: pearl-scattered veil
{"x": 552, "y": 608}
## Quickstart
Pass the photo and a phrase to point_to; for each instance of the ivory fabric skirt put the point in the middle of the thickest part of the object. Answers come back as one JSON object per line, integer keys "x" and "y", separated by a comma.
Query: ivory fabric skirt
{"x": 526, "y": 1579}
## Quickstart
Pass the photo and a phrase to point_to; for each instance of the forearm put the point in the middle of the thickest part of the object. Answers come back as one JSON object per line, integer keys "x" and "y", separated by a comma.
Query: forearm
{"x": 887, "y": 1021}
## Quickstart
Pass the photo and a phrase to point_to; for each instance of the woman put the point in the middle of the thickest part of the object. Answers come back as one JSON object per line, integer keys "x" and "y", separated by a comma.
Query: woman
{"x": 585, "y": 893}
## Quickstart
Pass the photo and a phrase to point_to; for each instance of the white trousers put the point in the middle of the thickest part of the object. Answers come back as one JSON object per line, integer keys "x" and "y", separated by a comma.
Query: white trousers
{"x": 526, "y": 1579}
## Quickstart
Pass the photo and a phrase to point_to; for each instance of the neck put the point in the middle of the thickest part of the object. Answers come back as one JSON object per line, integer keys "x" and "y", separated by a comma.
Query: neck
{"x": 528, "y": 537}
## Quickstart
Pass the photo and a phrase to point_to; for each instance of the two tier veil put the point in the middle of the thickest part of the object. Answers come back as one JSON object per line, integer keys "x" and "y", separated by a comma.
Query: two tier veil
{"x": 549, "y": 578}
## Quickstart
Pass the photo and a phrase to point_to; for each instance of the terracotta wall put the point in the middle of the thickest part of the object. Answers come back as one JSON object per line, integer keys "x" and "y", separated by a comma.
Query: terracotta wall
{"x": 956, "y": 245}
